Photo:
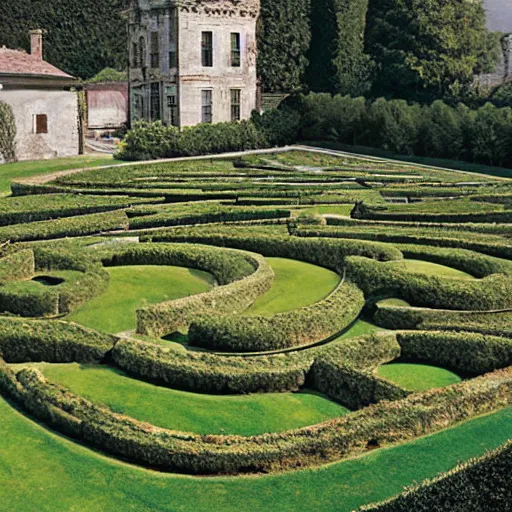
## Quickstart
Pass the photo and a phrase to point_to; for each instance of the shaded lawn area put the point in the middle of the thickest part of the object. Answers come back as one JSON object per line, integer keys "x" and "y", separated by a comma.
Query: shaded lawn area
{"x": 190, "y": 412}
{"x": 428, "y": 268}
{"x": 131, "y": 287}
{"x": 17, "y": 170}
{"x": 42, "y": 471}
{"x": 418, "y": 377}
{"x": 296, "y": 285}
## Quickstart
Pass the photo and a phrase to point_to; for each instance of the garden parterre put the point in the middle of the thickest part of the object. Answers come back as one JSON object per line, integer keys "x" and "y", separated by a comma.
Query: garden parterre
{"x": 225, "y": 218}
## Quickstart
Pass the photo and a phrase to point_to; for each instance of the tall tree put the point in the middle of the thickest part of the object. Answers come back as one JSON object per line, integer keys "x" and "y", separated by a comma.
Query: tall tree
{"x": 426, "y": 49}
{"x": 284, "y": 35}
{"x": 82, "y": 38}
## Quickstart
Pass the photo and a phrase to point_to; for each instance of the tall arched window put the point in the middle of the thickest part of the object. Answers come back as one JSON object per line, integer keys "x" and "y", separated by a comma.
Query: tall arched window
{"x": 142, "y": 52}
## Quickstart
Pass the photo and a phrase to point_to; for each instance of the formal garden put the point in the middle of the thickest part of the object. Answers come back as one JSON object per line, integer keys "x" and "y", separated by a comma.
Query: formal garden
{"x": 308, "y": 329}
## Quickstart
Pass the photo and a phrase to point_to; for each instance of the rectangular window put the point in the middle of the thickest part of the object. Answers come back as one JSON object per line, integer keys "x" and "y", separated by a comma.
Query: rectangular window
{"x": 172, "y": 105}
{"x": 155, "y": 50}
{"x": 173, "y": 39}
{"x": 206, "y": 106}
{"x": 155, "y": 102}
{"x": 207, "y": 49}
{"x": 41, "y": 123}
{"x": 235, "y": 104}
{"x": 235, "y": 50}
{"x": 135, "y": 55}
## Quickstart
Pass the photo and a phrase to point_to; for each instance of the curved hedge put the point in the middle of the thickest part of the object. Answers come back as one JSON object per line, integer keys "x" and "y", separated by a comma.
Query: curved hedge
{"x": 23, "y": 340}
{"x": 383, "y": 423}
{"x": 290, "y": 329}
{"x": 469, "y": 353}
{"x": 374, "y": 278}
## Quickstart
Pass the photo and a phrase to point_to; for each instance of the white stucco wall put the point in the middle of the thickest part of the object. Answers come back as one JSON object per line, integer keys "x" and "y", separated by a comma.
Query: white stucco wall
{"x": 61, "y": 107}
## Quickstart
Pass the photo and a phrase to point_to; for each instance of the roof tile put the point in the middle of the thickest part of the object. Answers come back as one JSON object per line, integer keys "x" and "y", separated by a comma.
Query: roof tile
{"x": 19, "y": 62}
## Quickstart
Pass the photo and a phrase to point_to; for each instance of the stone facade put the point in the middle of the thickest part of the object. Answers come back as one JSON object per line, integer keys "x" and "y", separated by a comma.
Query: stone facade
{"x": 193, "y": 61}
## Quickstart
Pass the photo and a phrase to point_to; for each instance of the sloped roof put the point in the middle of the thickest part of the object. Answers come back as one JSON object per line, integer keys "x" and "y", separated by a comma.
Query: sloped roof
{"x": 18, "y": 62}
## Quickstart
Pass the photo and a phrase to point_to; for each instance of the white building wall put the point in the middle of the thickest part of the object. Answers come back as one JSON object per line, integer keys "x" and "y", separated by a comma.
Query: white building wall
{"x": 61, "y": 108}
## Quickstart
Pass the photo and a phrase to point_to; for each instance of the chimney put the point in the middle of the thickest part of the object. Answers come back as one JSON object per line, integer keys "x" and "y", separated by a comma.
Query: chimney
{"x": 36, "y": 43}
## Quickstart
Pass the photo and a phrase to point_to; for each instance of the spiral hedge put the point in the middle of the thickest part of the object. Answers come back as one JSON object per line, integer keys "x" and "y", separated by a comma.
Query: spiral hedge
{"x": 226, "y": 217}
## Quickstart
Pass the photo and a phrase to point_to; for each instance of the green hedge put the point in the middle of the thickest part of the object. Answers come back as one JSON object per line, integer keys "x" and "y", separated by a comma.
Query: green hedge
{"x": 290, "y": 329}
{"x": 380, "y": 424}
{"x": 469, "y": 353}
{"x": 16, "y": 266}
{"x": 51, "y": 341}
{"x": 326, "y": 253}
{"x": 206, "y": 373}
{"x": 17, "y": 210}
{"x": 479, "y": 485}
{"x": 209, "y": 213}
{"x": 377, "y": 279}
{"x": 233, "y": 297}
{"x": 72, "y": 226}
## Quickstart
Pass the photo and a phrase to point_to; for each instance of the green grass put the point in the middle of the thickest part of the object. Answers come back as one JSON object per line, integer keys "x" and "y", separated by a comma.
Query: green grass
{"x": 296, "y": 285}
{"x": 339, "y": 209}
{"x": 428, "y": 268}
{"x": 30, "y": 286}
{"x": 203, "y": 414}
{"x": 133, "y": 286}
{"x": 418, "y": 377}
{"x": 359, "y": 328}
{"x": 10, "y": 172}
{"x": 44, "y": 472}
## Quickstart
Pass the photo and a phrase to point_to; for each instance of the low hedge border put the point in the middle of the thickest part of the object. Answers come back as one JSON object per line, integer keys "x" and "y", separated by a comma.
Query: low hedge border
{"x": 479, "y": 485}
{"x": 290, "y": 329}
{"x": 376, "y": 425}
{"x": 465, "y": 352}
{"x": 16, "y": 266}
{"x": 318, "y": 251}
{"x": 233, "y": 297}
{"x": 52, "y": 341}
{"x": 204, "y": 372}
{"x": 374, "y": 278}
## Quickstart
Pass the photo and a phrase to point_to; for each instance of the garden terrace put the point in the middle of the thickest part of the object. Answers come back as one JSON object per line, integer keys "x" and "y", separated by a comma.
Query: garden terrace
{"x": 267, "y": 314}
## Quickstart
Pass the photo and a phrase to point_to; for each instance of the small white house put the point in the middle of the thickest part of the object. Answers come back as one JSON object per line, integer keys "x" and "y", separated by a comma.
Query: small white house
{"x": 44, "y": 102}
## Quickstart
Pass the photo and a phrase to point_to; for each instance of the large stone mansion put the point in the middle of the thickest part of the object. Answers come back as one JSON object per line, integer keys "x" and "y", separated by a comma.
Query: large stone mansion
{"x": 192, "y": 61}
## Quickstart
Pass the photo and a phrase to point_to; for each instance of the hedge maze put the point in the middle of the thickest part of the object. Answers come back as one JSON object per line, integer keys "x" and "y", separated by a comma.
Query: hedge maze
{"x": 399, "y": 225}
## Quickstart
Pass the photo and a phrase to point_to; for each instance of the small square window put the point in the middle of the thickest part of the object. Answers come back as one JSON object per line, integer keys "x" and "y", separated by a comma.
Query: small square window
{"x": 41, "y": 123}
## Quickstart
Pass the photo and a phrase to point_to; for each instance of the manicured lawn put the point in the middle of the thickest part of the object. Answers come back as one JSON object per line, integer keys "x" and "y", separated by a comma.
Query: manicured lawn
{"x": 428, "y": 268}
{"x": 44, "y": 472}
{"x": 359, "y": 328}
{"x": 133, "y": 286}
{"x": 296, "y": 285}
{"x": 10, "y": 172}
{"x": 339, "y": 209}
{"x": 418, "y": 377}
{"x": 190, "y": 412}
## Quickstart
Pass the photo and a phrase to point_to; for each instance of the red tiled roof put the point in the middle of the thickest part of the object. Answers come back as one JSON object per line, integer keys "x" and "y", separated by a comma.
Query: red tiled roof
{"x": 19, "y": 62}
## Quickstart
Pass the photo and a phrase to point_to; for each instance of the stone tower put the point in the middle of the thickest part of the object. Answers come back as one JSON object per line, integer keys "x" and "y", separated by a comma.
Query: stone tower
{"x": 192, "y": 61}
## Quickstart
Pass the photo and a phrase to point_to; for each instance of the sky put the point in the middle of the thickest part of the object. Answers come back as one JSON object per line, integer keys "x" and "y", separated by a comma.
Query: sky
{"x": 499, "y": 15}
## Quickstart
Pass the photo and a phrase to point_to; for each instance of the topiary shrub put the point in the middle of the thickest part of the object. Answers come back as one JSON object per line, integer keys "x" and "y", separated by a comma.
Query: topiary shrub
{"x": 7, "y": 133}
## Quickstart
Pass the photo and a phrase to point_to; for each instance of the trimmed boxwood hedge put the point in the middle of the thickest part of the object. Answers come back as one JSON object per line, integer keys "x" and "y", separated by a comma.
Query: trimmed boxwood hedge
{"x": 318, "y": 251}
{"x": 465, "y": 352}
{"x": 233, "y": 297}
{"x": 382, "y": 423}
{"x": 374, "y": 278}
{"x": 479, "y": 485}
{"x": 16, "y": 266}
{"x": 53, "y": 341}
{"x": 289, "y": 329}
